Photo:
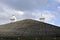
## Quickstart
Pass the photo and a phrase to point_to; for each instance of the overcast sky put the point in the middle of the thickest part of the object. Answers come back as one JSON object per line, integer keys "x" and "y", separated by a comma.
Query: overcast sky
{"x": 30, "y": 9}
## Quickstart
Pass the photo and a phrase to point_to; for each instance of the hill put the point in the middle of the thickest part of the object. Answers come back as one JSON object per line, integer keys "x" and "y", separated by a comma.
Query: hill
{"x": 29, "y": 28}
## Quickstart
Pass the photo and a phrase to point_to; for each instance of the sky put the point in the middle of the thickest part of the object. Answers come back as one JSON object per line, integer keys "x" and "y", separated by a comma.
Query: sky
{"x": 30, "y": 9}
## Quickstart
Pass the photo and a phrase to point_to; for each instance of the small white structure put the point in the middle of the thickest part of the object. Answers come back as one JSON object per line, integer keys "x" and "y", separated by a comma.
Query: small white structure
{"x": 13, "y": 18}
{"x": 42, "y": 18}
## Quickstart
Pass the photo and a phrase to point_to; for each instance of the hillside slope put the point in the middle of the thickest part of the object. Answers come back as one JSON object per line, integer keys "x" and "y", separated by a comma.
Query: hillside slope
{"x": 29, "y": 28}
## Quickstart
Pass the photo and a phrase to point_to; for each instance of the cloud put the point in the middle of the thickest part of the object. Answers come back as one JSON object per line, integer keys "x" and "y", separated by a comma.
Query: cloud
{"x": 49, "y": 16}
{"x": 6, "y": 12}
{"x": 58, "y": 8}
{"x": 25, "y": 5}
{"x": 22, "y": 9}
{"x": 57, "y": 1}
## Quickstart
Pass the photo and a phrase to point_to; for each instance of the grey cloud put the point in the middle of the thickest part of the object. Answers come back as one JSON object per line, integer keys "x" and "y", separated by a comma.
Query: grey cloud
{"x": 27, "y": 6}
{"x": 6, "y": 12}
{"x": 24, "y": 5}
